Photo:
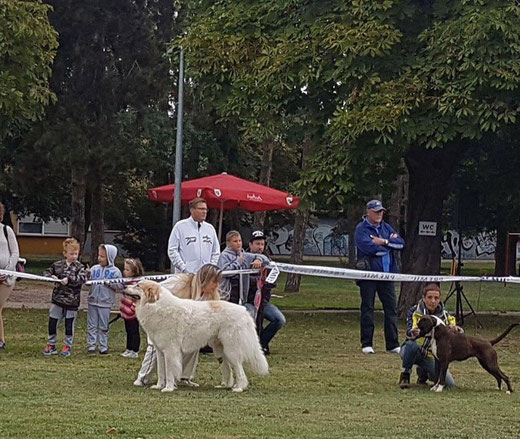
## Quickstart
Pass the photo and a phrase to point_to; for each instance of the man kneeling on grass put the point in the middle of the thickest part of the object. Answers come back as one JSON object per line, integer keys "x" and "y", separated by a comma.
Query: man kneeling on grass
{"x": 417, "y": 351}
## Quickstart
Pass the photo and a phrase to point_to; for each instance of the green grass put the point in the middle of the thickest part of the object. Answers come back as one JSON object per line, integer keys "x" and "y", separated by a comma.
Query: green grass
{"x": 320, "y": 386}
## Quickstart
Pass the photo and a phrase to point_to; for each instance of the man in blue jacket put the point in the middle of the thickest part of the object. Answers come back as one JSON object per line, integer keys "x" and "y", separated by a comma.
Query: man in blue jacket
{"x": 376, "y": 242}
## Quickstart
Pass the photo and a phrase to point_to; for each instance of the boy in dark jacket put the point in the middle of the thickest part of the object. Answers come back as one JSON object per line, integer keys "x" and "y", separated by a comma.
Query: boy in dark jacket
{"x": 70, "y": 275}
{"x": 267, "y": 310}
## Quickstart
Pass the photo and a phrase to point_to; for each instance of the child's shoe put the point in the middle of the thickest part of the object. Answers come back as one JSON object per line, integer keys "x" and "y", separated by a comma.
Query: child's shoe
{"x": 125, "y": 353}
{"x": 50, "y": 349}
{"x": 104, "y": 352}
{"x": 91, "y": 351}
{"x": 2, "y": 345}
{"x": 65, "y": 351}
{"x": 132, "y": 355}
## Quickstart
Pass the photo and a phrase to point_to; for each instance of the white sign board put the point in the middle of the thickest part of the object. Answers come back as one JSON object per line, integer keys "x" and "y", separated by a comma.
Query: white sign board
{"x": 427, "y": 228}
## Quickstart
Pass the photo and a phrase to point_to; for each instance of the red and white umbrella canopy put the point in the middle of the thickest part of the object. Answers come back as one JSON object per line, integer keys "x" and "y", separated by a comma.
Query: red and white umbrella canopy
{"x": 225, "y": 191}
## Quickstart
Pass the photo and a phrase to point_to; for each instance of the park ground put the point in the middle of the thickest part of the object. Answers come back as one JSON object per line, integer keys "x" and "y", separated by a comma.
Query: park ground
{"x": 320, "y": 384}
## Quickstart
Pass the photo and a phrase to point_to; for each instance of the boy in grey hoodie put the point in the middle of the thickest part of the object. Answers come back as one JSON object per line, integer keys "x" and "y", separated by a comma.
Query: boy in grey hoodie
{"x": 235, "y": 258}
{"x": 101, "y": 298}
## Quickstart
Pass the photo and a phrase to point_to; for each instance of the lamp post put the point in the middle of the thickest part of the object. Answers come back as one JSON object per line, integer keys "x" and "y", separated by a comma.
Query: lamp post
{"x": 178, "y": 144}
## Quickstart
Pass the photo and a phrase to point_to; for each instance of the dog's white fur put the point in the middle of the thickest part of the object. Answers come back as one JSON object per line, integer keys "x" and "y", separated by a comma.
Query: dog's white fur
{"x": 179, "y": 326}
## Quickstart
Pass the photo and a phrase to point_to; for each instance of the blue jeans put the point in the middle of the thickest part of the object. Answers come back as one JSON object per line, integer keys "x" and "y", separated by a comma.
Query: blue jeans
{"x": 276, "y": 321}
{"x": 386, "y": 293}
{"x": 411, "y": 354}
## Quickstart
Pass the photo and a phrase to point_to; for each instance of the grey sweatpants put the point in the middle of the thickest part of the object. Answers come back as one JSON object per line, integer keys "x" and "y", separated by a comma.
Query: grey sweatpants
{"x": 56, "y": 315}
{"x": 97, "y": 327}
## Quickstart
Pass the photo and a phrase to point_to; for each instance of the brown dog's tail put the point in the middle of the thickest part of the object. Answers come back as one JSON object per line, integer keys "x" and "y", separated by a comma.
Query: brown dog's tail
{"x": 501, "y": 336}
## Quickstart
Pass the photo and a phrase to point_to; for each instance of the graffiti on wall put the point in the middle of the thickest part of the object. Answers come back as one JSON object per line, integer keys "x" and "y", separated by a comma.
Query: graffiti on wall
{"x": 480, "y": 246}
{"x": 328, "y": 237}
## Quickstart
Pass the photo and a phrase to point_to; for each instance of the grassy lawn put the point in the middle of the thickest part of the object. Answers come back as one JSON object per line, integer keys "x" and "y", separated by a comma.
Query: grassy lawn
{"x": 320, "y": 386}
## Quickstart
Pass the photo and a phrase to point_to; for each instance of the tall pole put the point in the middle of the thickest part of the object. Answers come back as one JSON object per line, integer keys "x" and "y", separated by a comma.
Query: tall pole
{"x": 178, "y": 148}
{"x": 178, "y": 144}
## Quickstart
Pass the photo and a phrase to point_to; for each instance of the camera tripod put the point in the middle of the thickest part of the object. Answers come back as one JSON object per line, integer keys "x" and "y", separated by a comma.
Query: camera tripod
{"x": 457, "y": 289}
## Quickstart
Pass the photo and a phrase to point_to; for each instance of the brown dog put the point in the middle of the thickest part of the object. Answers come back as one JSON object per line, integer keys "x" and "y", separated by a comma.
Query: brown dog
{"x": 449, "y": 345}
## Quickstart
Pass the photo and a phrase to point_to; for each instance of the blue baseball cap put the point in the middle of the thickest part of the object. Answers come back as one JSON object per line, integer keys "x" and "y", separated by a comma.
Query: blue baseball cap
{"x": 375, "y": 205}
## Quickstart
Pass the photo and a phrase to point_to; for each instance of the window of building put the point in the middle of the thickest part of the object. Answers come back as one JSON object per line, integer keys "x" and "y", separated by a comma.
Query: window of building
{"x": 29, "y": 225}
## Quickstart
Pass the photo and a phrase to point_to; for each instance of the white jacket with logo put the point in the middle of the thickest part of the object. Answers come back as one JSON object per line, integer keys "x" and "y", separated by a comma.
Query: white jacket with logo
{"x": 192, "y": 245}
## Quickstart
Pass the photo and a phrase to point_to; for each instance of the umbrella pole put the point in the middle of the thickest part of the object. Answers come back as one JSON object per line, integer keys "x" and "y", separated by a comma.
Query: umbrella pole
{"x": 220, "y": 222}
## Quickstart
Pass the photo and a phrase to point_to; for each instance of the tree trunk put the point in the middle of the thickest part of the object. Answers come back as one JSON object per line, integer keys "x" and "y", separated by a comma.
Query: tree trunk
{"x": 265, "y": 178}
{"x": 354, "y": 214}
{"x": 162, "y": 244}
{"x": 292, "y": 284}
{"x": 397, "y": 204}
{"x": 430, "y": 172}
{"x": 500, "y": 251}
{"x": 79, "y": 190}
{"x": 97, "y": 236}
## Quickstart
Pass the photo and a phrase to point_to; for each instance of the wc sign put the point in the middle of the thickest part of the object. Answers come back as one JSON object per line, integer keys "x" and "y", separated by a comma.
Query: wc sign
{"x": 427, "y": 228}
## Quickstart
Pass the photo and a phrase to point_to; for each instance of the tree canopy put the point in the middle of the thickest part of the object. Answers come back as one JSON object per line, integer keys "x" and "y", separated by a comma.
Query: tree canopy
{"x": 27, "y": 48}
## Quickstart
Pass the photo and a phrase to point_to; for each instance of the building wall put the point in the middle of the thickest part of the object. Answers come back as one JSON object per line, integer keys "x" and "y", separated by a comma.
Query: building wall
{"x": 40, "y": 245}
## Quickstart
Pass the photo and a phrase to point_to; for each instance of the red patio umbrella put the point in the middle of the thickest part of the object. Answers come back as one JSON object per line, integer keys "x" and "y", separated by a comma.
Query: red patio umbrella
{"x": 227, "y": 192}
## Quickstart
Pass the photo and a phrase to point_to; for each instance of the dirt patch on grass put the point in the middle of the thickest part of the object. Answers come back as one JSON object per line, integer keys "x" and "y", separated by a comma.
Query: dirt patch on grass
{"x": 28, "y": 294}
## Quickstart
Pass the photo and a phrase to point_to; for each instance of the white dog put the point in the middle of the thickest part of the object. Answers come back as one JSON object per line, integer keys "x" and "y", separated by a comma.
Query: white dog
{"x": 179, "y": 326}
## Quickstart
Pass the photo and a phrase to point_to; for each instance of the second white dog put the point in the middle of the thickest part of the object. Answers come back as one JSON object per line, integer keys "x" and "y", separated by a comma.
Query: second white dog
{"x": 179, "y": 326}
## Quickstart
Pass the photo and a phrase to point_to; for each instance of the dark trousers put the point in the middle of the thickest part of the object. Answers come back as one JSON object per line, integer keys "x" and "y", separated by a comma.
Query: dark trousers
{"x": 386, "y": 293}
{"x": 133, "y": 338}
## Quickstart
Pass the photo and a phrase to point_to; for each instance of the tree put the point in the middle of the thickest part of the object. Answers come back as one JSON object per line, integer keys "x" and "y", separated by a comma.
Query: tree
{"x": 27, "y": 47}
{"x": 486, "y": 193}
{"x": 279, "y": 69}
{"x": 455, "y": 79}
{"x": 110, "y": 66}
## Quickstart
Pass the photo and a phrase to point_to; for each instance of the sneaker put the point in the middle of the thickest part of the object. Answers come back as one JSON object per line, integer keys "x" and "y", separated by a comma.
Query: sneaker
{"x": 132, "y": 354}
{"x": 50, "y": 349}
{"x": 105, "y": 352}
{"x": 65, "y": 351}
{"x": 188, "y": 383}
{"x": 139, "y": 382}
{"x": 396, "y": 350}
{"x": 91, "y": 351}
{"x": 404, "y": 380}
{"x": 2, "y": 345}
{"x": 368, "y": 350}
{"x": 265, "y": 350}
{"x": 125, "y": 353}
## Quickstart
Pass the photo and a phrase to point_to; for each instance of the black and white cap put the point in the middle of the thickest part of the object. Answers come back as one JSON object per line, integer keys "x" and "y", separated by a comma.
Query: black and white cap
{"x": 257, "y": 234}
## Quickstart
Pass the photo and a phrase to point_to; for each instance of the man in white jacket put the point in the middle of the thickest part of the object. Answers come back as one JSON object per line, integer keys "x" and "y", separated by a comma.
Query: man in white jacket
{"x": 193, "y": 242}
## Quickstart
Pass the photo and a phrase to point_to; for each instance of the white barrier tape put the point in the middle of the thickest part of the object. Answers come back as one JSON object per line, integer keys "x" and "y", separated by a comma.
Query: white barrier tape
{"x": 159, "y": 277}
{"x": 273, "y": 274}
{"x": 309, "y": 270}
{"x": 26, "y": 276}
{"x": 345, "y": 273}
